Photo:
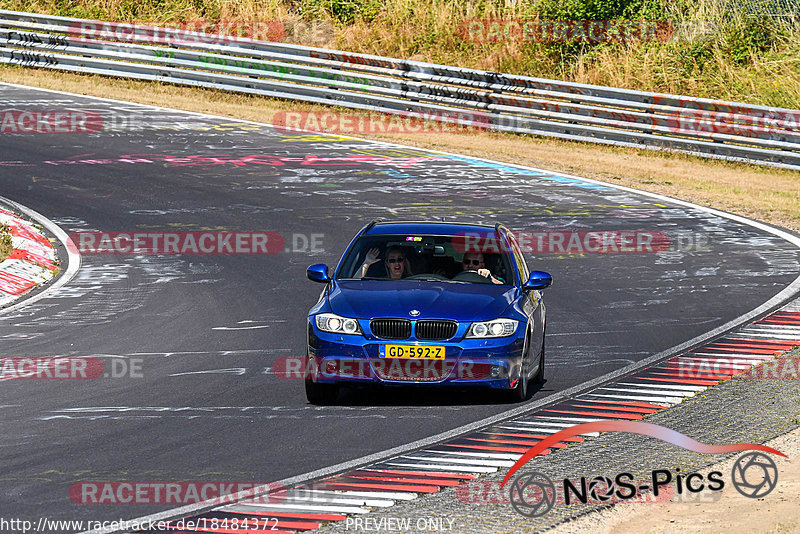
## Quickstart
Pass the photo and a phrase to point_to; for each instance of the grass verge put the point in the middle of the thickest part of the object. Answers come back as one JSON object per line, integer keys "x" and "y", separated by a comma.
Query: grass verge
{"x": 6, "y": 248}
{"x": 742, "y": 50}
{"x": 761, "y": 193}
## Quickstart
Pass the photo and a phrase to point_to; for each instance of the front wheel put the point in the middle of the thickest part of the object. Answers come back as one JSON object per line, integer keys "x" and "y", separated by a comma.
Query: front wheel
{"x": 520, "y": 391}
{"x": 321, "y": 394}
{"x": 539, "y": 376}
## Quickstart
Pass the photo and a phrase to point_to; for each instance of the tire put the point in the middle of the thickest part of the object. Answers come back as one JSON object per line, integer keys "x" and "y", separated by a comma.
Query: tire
{"x": 539, "y": 376}
{"x": 321, "y": 394}
{"x": 520, "y": 391}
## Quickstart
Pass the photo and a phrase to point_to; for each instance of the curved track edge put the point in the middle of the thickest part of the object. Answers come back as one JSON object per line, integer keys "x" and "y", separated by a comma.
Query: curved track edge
{"x": 73, "y": 259}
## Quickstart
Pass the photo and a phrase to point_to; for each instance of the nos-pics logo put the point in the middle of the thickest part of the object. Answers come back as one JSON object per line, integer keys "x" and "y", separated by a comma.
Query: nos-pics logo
{"x": 533, "y": 494}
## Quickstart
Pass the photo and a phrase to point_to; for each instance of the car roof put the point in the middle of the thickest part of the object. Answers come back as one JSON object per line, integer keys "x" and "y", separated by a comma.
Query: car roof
{"x": 430, "y": 228}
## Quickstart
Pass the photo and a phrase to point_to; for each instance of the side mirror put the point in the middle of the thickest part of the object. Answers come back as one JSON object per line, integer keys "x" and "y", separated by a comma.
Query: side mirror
{"x": 318, "y": 273}
{"x": 538, "y": 280}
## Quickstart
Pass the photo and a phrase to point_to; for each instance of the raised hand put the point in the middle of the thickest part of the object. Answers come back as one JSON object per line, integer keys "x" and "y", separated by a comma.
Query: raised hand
{"x": 372, "y": 256}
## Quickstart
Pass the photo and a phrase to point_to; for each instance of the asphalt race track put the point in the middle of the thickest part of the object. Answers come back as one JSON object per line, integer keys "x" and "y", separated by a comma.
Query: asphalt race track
{"x": 207, "y": 329}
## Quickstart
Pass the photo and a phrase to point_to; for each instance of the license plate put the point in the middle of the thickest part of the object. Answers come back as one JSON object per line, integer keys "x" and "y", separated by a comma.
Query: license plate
{"x": 424, "y": 352}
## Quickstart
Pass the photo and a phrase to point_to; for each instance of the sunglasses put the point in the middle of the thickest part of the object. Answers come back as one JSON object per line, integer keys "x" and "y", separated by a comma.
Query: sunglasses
{"x": 471, "y": 262}
{"x": 395, "y": 260}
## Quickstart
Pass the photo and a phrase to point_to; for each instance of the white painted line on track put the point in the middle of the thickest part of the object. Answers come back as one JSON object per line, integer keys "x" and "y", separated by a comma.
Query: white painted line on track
{"x": 369, "y": 495}
{"x": 543, "y": 424}
{"x": 230, "y": 371}
{"x": 746, "y": 358}
{"x": 360, "y": 498}
{"x": 397, "y": 496}
{"x": 277, "y": 507}
{"x": 670, "y": 387}
{"x": 703, "y": 361}
{"x": 611, "y": 400}
{"x": 327, "y": 499}
{"x": 528, "y": 429}
{"x": 240, "y": 327}
{"x": 572, "y": 419}
{"x": 778, "y": 336}
{"x": 655, "y": 399}
{"x": 486, "y": 455}
{"x": 767, "y": 328}
{"x": 459, "y": 461}
{"x": 535, "y": 430}
{"x": 443, "y": 467}
{"x": 642, "y": 391}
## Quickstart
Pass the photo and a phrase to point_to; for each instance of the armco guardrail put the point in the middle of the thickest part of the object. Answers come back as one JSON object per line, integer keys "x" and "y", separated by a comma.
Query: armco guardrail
{"x": 703, "y": 127}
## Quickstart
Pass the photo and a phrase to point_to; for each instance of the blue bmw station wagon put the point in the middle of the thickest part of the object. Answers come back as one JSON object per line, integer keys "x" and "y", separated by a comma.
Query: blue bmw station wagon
{"x": 427, "y": 303}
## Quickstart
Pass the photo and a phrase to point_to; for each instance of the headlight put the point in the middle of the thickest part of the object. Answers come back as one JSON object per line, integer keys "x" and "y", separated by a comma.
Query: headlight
{"x": 496, "y": 328}
{"x": 336, "y": 324}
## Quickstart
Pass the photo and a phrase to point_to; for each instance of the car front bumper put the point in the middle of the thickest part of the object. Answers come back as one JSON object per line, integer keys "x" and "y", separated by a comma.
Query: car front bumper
{"x": 354, "y": 359}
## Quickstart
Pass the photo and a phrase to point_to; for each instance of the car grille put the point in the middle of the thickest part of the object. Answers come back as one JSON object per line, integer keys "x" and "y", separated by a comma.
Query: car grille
{"x": 391, "y": 328}
{"x": 435, "y": 330}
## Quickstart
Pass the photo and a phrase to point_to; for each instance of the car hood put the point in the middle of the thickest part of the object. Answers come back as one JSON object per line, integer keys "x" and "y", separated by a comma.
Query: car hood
{"x": 445, "y": 300}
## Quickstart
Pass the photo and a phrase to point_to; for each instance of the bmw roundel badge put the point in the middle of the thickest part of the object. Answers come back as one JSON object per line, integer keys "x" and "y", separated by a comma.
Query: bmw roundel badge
{"x": 413, "y": 313}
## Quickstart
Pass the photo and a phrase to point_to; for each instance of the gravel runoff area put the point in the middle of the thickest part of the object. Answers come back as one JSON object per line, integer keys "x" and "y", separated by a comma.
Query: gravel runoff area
{"x": 735, "y": 411}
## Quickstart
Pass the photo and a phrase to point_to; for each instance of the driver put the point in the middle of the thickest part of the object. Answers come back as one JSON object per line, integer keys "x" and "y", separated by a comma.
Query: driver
{"x": 474, "y": 261}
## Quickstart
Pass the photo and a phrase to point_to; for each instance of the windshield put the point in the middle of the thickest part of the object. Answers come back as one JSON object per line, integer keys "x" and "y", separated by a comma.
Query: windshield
{"x": 423, "y": 257}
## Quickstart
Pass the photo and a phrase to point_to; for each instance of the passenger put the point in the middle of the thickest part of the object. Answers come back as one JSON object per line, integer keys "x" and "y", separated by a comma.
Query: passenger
{"x": 396, "y": 263}
{"x": 474, "y": 261}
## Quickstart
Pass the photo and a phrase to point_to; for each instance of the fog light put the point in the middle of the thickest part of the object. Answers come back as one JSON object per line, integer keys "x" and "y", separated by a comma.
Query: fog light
{"x": 330, "y": 366}
{"x": 497, "y": 371}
